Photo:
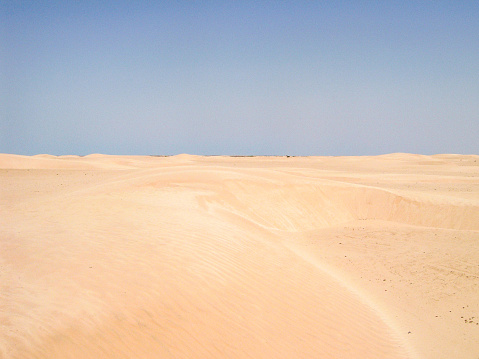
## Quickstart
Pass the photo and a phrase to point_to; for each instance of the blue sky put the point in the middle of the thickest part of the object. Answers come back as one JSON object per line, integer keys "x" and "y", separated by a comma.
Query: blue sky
{"x": 239, "y": 78}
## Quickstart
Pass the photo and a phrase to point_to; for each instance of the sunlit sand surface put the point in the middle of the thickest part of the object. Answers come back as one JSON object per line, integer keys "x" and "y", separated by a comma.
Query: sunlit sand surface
{"x": 239, "y": 257}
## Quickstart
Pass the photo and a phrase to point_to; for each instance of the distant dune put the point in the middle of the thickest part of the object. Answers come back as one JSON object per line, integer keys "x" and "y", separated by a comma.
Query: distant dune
{"x": 239, "y": 257}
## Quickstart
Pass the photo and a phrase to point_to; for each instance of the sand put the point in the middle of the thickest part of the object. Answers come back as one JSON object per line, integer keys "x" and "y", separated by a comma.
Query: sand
{"x": 239, "y": 257}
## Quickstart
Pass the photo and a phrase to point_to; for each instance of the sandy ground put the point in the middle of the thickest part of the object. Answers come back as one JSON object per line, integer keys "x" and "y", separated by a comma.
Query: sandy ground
{"x": 239, "y": 257}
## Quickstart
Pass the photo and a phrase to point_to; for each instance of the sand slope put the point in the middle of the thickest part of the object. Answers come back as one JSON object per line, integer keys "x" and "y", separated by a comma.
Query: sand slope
{"x": 237, "y": 257}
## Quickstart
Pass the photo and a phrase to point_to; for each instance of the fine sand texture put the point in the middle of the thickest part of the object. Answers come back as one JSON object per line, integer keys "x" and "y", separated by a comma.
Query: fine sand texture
{"x": 239, "y": 257}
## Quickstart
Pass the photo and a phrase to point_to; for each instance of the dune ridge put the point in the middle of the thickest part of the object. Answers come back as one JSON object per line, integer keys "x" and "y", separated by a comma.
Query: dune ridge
{"x": 189, "y": 256}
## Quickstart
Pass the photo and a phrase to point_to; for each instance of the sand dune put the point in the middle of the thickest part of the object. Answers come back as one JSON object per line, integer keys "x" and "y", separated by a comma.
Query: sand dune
{"x": 239, "y": 257}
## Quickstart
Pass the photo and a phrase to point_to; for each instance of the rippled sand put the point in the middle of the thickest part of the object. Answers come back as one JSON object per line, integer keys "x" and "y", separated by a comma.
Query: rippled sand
{"x": 239, "y": 257}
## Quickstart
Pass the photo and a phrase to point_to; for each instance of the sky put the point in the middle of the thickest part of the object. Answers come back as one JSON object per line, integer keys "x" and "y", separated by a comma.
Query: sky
{"x": 239, "y": 77}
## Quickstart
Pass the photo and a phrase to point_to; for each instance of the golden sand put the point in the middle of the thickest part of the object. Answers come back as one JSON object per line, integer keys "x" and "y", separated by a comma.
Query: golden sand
{"x": 239, "y": 257}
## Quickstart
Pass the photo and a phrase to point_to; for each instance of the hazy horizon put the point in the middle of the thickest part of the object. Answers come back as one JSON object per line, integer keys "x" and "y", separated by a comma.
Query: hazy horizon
{"x": 226, "y": 78}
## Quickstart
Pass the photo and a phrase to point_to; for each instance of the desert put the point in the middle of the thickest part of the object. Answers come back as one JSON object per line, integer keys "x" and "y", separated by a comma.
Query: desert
{"x": 239, "y": 257}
